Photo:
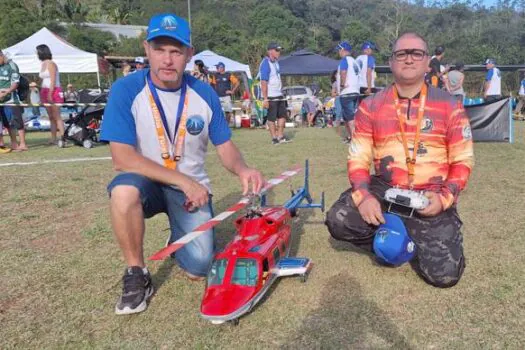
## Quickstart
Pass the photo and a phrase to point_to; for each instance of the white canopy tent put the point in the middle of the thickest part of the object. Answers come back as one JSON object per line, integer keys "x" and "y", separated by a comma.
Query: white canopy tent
{"x": 210, "y": 59}
{"x": 68, "y": 58}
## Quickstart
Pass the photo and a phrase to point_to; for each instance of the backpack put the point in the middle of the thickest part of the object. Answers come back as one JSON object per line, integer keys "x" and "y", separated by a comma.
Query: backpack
{"x": 23, "y": 88}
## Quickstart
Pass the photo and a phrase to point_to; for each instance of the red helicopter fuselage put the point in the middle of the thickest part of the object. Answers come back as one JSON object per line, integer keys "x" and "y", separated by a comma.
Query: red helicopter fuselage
{"x": 241, "y": 274}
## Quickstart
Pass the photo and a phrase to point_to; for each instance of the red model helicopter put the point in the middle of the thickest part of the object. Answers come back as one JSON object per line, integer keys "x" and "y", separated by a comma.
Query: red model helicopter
{"x": 243, "y": 272}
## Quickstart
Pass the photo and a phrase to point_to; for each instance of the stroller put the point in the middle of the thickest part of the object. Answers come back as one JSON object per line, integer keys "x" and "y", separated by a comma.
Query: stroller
{"x": 82, "y": 127}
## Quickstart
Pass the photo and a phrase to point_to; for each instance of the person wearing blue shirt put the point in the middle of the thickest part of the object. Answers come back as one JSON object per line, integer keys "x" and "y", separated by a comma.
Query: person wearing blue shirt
{"x": 347, "y": 85}
{"x": 492, "y": 86}
{"x": 367, "y": 64}
{"x": 273, "y": 99}
{"x": 158, "y": 122}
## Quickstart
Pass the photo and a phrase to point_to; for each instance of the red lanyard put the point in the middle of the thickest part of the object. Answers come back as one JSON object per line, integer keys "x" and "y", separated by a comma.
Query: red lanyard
{"x": 178, "y": 143}
{"x": 411, "y": 160}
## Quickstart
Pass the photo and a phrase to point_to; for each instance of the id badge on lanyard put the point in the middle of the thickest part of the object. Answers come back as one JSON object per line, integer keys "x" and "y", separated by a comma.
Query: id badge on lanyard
{"x": 161, "y": 124}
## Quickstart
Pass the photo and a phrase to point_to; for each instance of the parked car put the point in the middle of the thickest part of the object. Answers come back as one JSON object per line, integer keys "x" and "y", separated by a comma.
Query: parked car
{"x": 295, "y": 96}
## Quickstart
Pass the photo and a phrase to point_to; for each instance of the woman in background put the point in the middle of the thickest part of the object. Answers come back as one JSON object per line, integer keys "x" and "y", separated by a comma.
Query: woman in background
{"x": 126, "y": 69}
{"x": 51, "y": 92}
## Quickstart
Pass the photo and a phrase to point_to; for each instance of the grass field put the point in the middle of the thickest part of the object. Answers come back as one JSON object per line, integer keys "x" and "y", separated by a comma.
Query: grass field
{"x": 61, "y": 268}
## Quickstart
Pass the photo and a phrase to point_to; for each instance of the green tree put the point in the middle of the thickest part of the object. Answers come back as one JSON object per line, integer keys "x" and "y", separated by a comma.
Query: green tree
{"x": 91, "y": 40}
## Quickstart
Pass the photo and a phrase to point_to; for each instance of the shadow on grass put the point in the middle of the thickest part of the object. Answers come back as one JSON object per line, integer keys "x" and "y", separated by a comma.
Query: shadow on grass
{"x": 290, "y": 134}
{"x": 346, "y": 319}
{"x": 349, "y": 247}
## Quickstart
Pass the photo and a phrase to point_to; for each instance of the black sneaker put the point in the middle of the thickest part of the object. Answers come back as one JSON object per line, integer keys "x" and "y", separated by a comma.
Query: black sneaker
{"x": 137, "y": 289}
{"x": 275, "y": 142}
{"x": 284, "y": 140}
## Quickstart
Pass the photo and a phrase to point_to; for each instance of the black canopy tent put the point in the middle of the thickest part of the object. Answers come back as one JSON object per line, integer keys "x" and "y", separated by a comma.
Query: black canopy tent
{"x": 304, "y": 62}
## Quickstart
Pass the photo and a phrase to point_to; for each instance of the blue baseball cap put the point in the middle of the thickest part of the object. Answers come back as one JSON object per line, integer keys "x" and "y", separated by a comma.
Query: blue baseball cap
{"x": 220, "y": 64}
{"x": 368, "y": 45}
{"x": 490, "y": 61}
{"x": 344, "y": 45}
{"x": 392, "y": 244}
{"x": 171, "y": 26}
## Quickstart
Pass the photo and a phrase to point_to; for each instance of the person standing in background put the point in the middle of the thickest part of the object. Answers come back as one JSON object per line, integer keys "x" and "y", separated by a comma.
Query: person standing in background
{"x": 225, "y": 85}
{"x": 347, "y": 85}
{"x": 51, "y": 91}
{"x": 367, "y": 64}
{"x": 455, "y": 81}
{"x": 140, "y": 63}
{"x": 273, "y": 99}
{"x": 34, "y": 98}
{"x": 492, "y": 86}
{"x": 435, "y": 74}
{"x": 126, "y": 69}
{"x": 11, "y": 116}
{"x": 71, "y": 96}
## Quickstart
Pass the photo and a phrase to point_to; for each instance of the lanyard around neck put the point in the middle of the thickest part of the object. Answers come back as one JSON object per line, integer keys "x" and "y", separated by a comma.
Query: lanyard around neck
{"x": 162, "y": 127}
{"x": 410, "y": 160}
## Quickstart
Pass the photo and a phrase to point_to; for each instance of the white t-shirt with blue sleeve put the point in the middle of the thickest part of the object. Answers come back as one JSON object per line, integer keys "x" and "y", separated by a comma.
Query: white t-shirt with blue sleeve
{"x": 270, "y": 71}
{"x": 365, "y": 62}
{"x": 128, "y": 119}
{"x": 351, "y": 84}
{"x": 494, "y": 76}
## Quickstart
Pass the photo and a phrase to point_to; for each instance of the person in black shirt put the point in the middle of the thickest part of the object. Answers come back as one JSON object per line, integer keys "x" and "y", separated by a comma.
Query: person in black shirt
{"x": 435, "y": 74}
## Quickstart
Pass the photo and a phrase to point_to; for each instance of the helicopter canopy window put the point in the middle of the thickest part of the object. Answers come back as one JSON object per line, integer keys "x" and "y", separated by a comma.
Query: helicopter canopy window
{"x": 217, "y": 271}
{"x": 245, "y": 272}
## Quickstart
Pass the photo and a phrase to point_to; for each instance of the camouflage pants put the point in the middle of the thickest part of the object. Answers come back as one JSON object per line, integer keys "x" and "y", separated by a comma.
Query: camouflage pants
{"x": 439, "y": 256}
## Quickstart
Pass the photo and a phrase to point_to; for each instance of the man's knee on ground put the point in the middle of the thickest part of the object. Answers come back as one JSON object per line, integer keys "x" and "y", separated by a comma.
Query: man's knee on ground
{"x": 125, "y": 198}
{"x": 196, "y": 263}
{"x": 345, "y": 224}
{"x": 335, "y": 222}
{"x": 196, "y": 257}
{"x": 446, "y": 276}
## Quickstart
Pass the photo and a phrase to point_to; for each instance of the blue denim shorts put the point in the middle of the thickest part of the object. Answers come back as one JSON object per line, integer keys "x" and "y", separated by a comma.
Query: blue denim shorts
{"x": 196, "y": 256}
{"x": 349, "y": 105}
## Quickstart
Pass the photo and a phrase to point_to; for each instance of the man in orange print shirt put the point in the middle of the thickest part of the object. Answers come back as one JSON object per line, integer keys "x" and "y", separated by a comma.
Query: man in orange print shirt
{"x": 418, "y": 138}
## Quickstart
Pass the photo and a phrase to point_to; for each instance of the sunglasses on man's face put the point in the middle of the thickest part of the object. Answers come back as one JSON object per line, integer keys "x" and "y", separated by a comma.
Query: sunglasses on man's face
{"x": 402, "y": 55}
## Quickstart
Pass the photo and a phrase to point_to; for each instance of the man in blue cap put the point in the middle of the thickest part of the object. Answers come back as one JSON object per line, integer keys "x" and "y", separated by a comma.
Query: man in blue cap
{"x": 347, "y": 85}
{"x": 273, "y": 99}
{"x": 492, "y": 86}
{"x": 225, "y": 84}
{"x": 367, "y": 65}
{"x": 158, "y": 122}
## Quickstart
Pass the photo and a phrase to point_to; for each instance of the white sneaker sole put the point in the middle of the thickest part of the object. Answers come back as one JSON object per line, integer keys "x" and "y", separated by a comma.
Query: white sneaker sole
{"x": 141, "y": 307}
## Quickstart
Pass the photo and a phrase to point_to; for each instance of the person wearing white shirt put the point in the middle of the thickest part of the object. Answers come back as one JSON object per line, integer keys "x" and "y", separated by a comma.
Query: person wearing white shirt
{"x": 367, "y": 65}
{"x": 347, "y": 85}
{"x": 492, "y": 87}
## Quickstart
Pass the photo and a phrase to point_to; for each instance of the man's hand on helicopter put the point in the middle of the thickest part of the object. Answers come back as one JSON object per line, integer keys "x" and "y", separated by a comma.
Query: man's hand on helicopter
{"x": 251, "y": 176}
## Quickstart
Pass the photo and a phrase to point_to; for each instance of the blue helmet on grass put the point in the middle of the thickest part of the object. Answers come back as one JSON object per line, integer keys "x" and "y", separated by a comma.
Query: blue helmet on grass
{"x": 392, "y": 244}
